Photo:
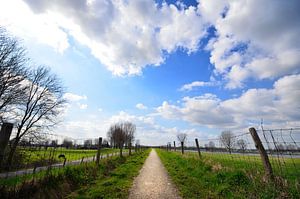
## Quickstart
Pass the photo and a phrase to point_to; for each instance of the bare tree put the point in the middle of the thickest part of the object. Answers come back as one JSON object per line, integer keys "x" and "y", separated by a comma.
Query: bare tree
{"x": 117, "y": 136}
{"x": 182, "y": 139}
{"x": 242, "y": 144}
{"x": 227, "y": 140}
{"x": 41, "y": 107}
{"x": 12, "y": 72}
{"x": 88, "y": 143}
{"x": 211, "y": 144}
{"x": 54, "y": 143}
{"x": 67, "y": 143}
{"x": 129, "y": 129}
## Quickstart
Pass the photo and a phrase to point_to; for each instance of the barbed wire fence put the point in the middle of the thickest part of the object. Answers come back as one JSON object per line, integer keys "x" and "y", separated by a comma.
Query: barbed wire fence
{"x": 275, "y": 155}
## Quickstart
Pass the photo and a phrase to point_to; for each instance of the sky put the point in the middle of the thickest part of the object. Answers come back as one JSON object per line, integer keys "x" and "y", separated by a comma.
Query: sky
{"x": 194, "y": 67}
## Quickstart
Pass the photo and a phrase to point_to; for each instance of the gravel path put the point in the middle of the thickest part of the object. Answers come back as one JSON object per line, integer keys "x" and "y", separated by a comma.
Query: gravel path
{"x": 153, "y": 181}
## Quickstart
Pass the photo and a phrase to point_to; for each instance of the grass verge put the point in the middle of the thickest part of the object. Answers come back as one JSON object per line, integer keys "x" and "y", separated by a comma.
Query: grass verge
{"x": 117, "y": 182}
{"x": 63, "y": 183}
{"x": 208, "y": 178}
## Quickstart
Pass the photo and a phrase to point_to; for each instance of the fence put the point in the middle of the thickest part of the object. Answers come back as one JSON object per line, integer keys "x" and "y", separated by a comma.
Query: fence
{"x": 49, "y": 151}
{"x": 273, "y": 154}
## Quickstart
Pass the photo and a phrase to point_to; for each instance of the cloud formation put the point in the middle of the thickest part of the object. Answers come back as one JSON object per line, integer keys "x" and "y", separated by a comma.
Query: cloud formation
{"x": 278, "y": 105}
{"x": 254, "y": 39}
{"x": 74, "y": 97}
{"x": 126, "y": 36}
{"x": 195, "y": 84}
{"x": 141, "y": 106}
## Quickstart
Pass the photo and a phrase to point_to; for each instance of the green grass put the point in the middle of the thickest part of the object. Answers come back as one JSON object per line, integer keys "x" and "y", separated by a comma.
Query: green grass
{"x": 31, "y": 157}
{"x": 35, "y": 154}
{"x": 226, "y": 176}
{"x": 113, "y": 175}
{"x": 114, "y": 184}
{"x": 287, "y": 168}
{"x": 73, "y": 155}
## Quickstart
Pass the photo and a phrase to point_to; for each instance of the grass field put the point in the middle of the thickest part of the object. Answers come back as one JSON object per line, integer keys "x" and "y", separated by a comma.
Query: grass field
{"x": 36, "y": 154}
{"x": 112, "y": 179}
{"x": 228, "y": 176}
{"x": 31, "y": 157}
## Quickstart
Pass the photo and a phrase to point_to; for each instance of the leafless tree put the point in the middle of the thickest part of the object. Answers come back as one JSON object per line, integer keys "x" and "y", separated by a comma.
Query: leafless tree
{"x": 67, "y": 143}
{"x": 54, "y": 143}
{"x": 242, "y": 144}
{"x": 88, "y": 143}
{"x": 41, "y": 107}
{"x": 104, "y": 143}
{"x": 182, "y": 139}
{"x": 117, "y": 136}
{"x": 129, "y": 129}
{"x": 12, "y": 72}
{"x": 121, "y": 134}
{"x": 211, "y": 144}
{"x": 227, "y": 140}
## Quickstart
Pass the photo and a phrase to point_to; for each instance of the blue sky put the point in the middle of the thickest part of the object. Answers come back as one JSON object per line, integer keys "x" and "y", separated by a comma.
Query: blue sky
{"x": 197, "y": 67}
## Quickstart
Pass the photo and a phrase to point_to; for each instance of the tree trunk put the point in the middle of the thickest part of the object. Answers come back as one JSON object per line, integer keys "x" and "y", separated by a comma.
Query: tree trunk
{"x": 12, "y": 153}
{"x": 121, "y": 149}
{"x": 130, "y": 148}
{"x": 182, "y": 150}
{"x": 5, "y": 133}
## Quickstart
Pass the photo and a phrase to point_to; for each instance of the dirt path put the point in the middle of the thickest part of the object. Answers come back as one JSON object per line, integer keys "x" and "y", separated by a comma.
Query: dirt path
{"x": 153, "y": 181}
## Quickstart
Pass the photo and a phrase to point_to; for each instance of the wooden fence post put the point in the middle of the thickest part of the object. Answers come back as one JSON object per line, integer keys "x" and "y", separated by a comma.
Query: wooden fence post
{"x": 263, "y": 154}
{"x": 64, "y": 162}
{"x": 98, "y": 151}
{"x": 174, "y": 146}
{"x": 5, "y": 133}
{"x": 129, "y": 148}
{"x": 197, "y": 144}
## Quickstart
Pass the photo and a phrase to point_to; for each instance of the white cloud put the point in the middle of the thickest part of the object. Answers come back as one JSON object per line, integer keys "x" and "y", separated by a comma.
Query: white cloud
{"x": 249, "y": 42}
{"x": 191, "y": 86}
{"x": 74, "y": 97}
{"x": 278, "y": 105}
{"x": 147, "y": 129}
{"x": 125, "y": 36}
{"x": 42, "y": 28}
{"x": 254, "y": 39}
{"x": 82, "y": 106}
{"x": 141, "y": 106}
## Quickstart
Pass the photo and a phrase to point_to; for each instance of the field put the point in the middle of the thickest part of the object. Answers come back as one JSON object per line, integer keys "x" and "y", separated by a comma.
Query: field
{"x": 228, "y": 176}
{"x": 35, "y": 154}
{"x": 112, "y": 179}
{"x": 35, "y": 157}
